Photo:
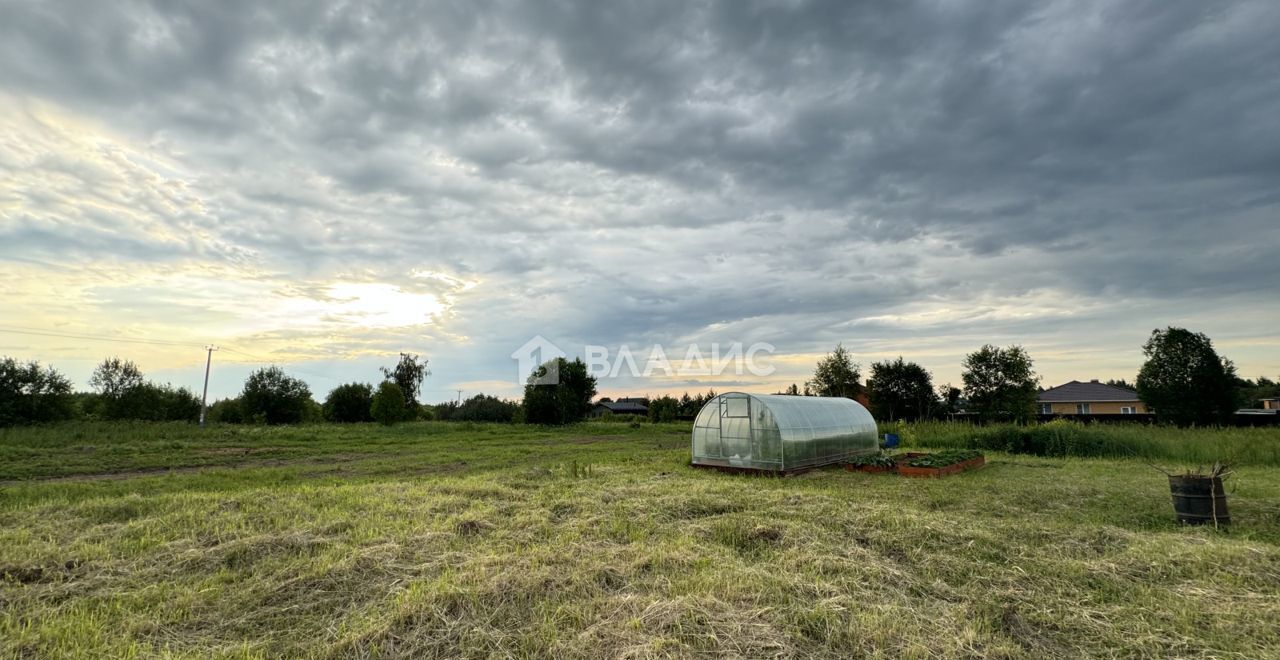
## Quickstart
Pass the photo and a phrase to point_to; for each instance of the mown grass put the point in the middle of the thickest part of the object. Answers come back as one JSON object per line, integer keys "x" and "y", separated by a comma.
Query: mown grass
{"x": 1175, "y": 446}
{"x": 432, "y": 540}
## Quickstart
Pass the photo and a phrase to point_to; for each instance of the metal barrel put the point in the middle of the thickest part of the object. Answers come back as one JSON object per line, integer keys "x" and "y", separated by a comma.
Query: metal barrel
{"x": 1199, "y": 500}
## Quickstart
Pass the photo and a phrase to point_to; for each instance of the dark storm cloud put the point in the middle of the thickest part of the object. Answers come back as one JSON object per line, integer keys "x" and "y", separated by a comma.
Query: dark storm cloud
{"x": 614, "y": 171}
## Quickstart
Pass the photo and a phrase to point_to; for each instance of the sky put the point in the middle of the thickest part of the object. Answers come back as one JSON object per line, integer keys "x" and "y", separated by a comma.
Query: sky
{"x": 322, "y": 185}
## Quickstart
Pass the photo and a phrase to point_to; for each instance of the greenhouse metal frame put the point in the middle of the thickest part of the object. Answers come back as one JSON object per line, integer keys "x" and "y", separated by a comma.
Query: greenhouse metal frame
{"x": 780, "y": 433}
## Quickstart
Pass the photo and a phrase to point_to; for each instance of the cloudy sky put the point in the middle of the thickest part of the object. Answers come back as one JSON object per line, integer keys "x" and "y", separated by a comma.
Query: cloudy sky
{"x": 324, "y": 184}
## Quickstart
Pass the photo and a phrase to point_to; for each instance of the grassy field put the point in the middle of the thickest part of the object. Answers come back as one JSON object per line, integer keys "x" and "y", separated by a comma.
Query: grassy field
{"x": 598, "y": 540}
{"x": 1157, "y": 444}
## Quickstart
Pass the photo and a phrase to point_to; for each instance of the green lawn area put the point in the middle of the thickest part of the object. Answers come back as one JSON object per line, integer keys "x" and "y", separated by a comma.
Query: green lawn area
{"x": 435, "y": 539}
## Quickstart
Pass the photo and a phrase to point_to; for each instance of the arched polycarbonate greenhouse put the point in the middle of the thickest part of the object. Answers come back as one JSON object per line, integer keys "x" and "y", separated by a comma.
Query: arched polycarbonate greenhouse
{"x": 781, "y": 433}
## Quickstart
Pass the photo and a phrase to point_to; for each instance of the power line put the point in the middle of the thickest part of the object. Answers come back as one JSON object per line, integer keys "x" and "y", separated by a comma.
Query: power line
{"x": 248, "y": 355}
{"x": 19, "y": 330}
{"x": 291, "y": 367}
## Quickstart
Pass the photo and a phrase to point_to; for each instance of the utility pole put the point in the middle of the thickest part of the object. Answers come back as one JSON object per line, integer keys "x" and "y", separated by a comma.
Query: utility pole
{"x": 204, "y": 398}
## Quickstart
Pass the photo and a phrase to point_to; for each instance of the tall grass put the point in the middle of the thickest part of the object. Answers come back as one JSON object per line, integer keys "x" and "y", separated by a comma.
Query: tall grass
{"x": 431, "y": 540}
{"x": 1194, "y": 446}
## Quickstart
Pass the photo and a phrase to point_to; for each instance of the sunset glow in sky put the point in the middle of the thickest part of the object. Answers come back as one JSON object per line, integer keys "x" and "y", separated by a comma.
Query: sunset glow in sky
{"x": 323, "y": 185}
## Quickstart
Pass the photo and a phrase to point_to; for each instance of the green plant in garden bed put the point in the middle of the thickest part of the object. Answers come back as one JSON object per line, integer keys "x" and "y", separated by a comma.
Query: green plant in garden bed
{"x": 874, "y": 460}
{"x": 944, "y": 458}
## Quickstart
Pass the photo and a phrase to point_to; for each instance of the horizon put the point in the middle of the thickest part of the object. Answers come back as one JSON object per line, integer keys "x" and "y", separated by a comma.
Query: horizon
{"x": 323, "y": 187}
{"x": 227, "y": 378}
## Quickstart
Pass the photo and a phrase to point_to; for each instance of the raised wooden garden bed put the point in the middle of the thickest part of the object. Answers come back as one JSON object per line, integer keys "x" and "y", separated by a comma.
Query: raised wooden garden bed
{"x": 933, "y": 471}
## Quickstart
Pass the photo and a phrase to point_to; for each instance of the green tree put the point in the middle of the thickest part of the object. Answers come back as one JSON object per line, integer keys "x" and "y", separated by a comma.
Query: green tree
{"x": 1001, "y": 383}
{"x": 388, "y": 405}
{"x": 151, "y": 402}
{"x": 901, "y": 390}
{"x": 159, "y": 403}
{"x": 123, "y": 393}
{"x": 485, "y": 408}
{"x": 30, "y": 394}
{"x": 226, "y": 411}
{"x": 271, "y": 396}
{"x": 1184, "y": 380}
{"x": 444, "y": 411}
{"x": 119, "y": 386}
{"x": 663, "y": 409}
{"x": 1249, "y": 394}
{"x": 114, "y": 377}
{"x": 948, "y": 399}
{"x": 558, "y": 392}
{"x": 349, "y": 403}
{"x": 836, "y": 375}
{"x": 408, "y": 373}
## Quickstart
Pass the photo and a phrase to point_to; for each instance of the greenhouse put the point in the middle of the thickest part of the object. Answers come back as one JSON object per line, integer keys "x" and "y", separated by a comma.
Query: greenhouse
{"x": 781, "y": 433}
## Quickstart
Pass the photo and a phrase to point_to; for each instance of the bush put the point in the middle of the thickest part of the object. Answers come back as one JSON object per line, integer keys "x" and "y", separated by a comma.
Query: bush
{"x": 349, "y": 403}
{"x": 226, "y": 411}
{"x": 30, "y": 394}
{"x": 177, "y": 404}
{"x": 86, "y": 406}
{"x": 444, "y": 412}
{"x": 663, "y": 409}
{"x": 151, "y": 402}
{"x": 123, "y": 393}
{"x": 388, "y": 405}
{"x": 141, "y": 400}
{"x": 485, "y": 408}
{"x": 627, "y": 418}
{"x": 1059, "y": 438}
{"x": 312, "y": 411}
{"x": 272, "y": 397}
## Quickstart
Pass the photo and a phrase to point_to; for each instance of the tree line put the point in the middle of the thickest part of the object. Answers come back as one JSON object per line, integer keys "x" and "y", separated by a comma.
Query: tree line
{"x": 998, "y": 382}
{"x": 31, "y": 393}
{"x": 1183, "y": 380}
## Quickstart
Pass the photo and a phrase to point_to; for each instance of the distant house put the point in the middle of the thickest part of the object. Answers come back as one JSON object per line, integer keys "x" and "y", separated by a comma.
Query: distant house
{"x": 1091, "y": 398}
{"x": 620, "y": 407}
{"x": 1271, "y": 404}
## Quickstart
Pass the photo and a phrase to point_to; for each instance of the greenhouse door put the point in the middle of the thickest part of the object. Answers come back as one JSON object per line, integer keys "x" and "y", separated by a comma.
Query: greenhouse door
{"x": 735, "y": 428}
